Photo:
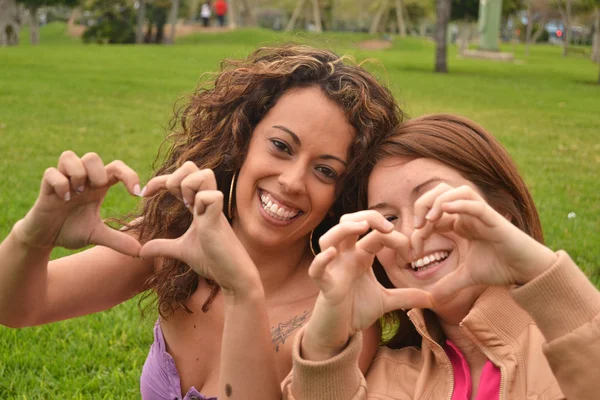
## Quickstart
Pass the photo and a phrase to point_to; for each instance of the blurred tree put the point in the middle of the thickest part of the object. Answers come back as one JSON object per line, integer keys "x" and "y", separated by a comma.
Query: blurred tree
{"x": 443, "y": 10}
{"x": 113, "y": 22}
{"x": 464, "y": 13}
{"x": 564, "y": 7}
{"x": 33, "y": 6}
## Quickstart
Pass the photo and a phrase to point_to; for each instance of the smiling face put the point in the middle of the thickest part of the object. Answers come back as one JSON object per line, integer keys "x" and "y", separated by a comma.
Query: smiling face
{"x": 296, "y": 157}
{"x": 394, "y": 186}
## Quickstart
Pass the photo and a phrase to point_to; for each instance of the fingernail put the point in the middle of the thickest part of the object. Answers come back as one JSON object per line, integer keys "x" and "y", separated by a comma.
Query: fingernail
{"x": 136, "y": 190}
{"x": 429, "y": 215}
{"x": 68, "y": 196}
{"x": 142, "y": 192}
{"x": 388, "y": 225}
{"x": 80, "y": 189}
{"x": 416, "y": 221}
{"x": 185, "y": 203}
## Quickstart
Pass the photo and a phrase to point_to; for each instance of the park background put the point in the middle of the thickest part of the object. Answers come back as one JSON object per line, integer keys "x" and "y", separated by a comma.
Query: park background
{"x": 117, "y": 100}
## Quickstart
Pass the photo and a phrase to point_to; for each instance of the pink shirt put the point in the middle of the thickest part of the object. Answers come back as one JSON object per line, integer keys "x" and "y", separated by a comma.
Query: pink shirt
{"x": 489, "y": 383}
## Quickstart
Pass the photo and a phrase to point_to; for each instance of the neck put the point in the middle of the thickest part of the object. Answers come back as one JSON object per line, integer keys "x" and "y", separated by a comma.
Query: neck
{"x": 278, "y": 265}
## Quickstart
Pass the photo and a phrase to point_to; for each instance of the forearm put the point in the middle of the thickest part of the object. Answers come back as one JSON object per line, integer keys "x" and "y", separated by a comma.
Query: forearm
{"x": 337, "y": 378}
{"x": 23, "y": 280}
{"x": 248, "y": 369}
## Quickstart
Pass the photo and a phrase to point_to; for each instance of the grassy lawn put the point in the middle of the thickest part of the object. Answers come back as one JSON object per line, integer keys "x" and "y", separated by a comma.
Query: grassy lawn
{"x": 117, "y": 101}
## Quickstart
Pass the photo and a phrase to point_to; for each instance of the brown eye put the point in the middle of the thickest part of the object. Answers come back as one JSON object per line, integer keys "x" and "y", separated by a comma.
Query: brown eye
{"x": 281, "y": 146}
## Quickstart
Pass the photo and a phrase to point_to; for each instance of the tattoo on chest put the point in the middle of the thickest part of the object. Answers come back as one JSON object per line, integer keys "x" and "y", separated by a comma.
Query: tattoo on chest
{"x": 283, "y": 330}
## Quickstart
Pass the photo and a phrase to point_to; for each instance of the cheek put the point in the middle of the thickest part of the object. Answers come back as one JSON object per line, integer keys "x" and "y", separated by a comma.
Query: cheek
{"x": 387, "y": 258}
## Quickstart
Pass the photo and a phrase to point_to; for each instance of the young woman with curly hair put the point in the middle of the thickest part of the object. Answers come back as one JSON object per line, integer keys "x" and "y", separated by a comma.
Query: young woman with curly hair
{"x": 261, "y": 159}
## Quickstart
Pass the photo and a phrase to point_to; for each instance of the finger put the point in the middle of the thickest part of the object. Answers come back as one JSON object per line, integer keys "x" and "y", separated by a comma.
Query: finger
{"x": 72, "y": 167}
{"x": 474, "y": 208}
{"x": 209, "y": 203}
{"x": 344, "y": 231}
{"x": 175, "y": 179}
{"x": 161, "y": 248}
{"x": 54, "y": 182}
{"x": 95, "y": 171}
{"x": 406, "y": 298}
{"x": 116, "y": 240}
{"x": 464, "y": 192}
{"x": 319, "y": 264}
{"x": 448, "y": 286}
{"x": 425, "y": 203}
{"x": 375, "y": 220}
{"x": 119, "y": 171}
{"x": 155, "y": 185}
{"x": 375, "y": 241}
{"x": 200, "y": 180}
{"x": 418, "y": 237}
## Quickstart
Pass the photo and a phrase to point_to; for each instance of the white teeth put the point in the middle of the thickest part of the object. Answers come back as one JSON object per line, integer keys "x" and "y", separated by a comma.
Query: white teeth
{"x": 424, "y": 263}
{"x": 277, "y": 211}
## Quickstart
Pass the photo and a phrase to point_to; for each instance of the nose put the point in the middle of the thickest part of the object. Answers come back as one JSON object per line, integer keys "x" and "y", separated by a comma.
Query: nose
{"x": 406, "y": 226}
{"x": 293, "y": 177}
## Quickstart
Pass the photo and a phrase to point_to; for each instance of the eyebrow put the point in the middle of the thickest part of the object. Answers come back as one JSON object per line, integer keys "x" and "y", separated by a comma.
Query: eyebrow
{"x": 414, "y": 192}
{"x": 420, "y": 186}
{"x": 296, "y": 140}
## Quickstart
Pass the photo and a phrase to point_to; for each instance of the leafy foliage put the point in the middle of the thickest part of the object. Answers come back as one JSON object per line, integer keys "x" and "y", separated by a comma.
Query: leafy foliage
{"x": 114, "y": 23}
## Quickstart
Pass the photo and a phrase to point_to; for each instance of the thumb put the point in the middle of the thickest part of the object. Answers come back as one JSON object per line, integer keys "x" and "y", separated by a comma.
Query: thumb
{"x": 161, "y": 248}
{"x": 116, "y": 240}
{"x": 395, "y": 299}
{"x": 449, "y": 285}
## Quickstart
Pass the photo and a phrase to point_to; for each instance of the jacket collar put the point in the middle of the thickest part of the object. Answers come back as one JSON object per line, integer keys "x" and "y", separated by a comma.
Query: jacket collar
{"x": 494, "y": 321}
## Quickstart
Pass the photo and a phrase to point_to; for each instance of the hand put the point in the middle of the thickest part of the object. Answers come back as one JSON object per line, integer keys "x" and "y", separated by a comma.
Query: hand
{"x": 67, "y": 211}
{"x": 351, "y": 298}
{"x": 498, "y": 253}
{"x": 209, "y": 246}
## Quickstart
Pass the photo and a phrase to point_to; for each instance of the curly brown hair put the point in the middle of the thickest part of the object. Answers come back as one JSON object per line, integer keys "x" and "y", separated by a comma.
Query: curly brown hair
{"x": 214, "y": 127}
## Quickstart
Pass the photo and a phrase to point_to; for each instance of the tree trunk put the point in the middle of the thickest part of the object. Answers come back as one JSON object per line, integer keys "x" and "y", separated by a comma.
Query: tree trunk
{"x": 249, "y": 14}
{"x": 173, "y": 15}
{"x": 542, "y": 24}
{"x": 596, "y": 37}
{"x": 383, "y": 7}
{"x": 442, "y": 10}
{"x": 292, "y": 22}
{"x": 566, "y": 17}
{"x": 529, "y": 31}
{"x": 400, "y": 17}
{"x": 232, "y": 14}
{"x": 34, "y": 27}
{"x": 317, "y": 16}
{"x": 141, "y": 19}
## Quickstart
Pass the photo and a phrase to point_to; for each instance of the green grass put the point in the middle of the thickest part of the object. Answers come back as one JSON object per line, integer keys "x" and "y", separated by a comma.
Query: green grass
{"x": 117, "y": 100}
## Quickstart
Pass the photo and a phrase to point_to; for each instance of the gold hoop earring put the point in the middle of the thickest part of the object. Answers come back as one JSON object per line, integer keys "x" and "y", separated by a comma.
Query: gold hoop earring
{"x": 312, "y": 249}
{"x": 231, "y": 194}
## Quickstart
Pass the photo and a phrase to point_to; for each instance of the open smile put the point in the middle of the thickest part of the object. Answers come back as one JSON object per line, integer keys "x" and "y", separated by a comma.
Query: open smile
{"x": 428, "y": 265}
{"x": 276, "y": 209}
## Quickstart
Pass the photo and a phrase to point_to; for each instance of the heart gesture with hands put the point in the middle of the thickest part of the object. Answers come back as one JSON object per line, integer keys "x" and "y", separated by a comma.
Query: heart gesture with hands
{"x": 67, "y": 211}
{"x": 351, "y": 298}
{"x": 209, "y": 246}
{"x": 497, "y": 252}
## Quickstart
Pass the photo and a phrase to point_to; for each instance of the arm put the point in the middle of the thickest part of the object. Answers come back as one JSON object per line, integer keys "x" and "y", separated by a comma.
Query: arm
{"x": 66, "y": 213}
{"x": 326, "y": 353}
{"x": 211, "y": 248}
{"x": 336, "y": 378}
{"x": 566, "y": 307}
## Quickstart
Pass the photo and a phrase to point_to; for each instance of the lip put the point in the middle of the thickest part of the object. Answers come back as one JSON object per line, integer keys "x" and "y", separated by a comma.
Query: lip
{"x": 431, "y": 271}
{"x": 269, "y": 218}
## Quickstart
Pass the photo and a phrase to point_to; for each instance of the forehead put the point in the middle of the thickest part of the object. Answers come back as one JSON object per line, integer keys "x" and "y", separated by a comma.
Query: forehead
{"x": 313, "y": 117}
{"x": 396, "y": 178}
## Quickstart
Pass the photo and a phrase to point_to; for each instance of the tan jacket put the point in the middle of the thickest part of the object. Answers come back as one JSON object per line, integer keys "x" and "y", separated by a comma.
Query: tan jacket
{"x": 555, "y": 357}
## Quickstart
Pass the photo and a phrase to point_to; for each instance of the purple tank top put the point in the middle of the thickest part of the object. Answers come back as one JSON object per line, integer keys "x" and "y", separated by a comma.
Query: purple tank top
{"x": 160, "y": 379}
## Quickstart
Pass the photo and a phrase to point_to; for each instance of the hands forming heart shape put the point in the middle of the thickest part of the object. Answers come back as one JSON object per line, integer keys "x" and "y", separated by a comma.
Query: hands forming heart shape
{"x": 492, "y": 252}
{"x": 67, "y": 214}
